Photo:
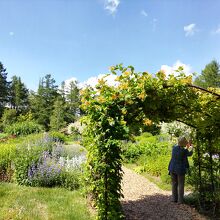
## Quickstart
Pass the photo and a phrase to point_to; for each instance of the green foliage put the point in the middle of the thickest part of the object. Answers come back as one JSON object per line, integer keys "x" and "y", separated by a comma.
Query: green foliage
{"x": 205, "y": 172}
{"x": 73, "y": 150}
{"x": 151, "y": 154}
{"x": 8, "y": 154}
{"x": 147, "y": 145}
{"x": 4, "y": 87}
{"x": 71, "y": 180}
{"x": 3, "y": 135}
{"x": 18, "y": 95}
{"x": 104, "y": 170}
{"x": 23, "y": 128}
{"x": 157, "y": 166}
{"x": 75, "y": 135}
{"x": 72, "y": 102}
{"x": 210, "y": 76}
{"x": 6, "y": 151}
{"x": 154, "y": 129}
{"x": 38, "y": 160}
{"x": 9, "y": 117}
{"x": 58, "y": 136}
{"x": 132, "y": 152}
{"x": 42, "y": 102}
{"x": 57, "y": 119}
{"x": 143, "y": 135}
{"x": 27, "y": 154}
{"x": 25, "y": 117}
{"x": 49, "y": 107}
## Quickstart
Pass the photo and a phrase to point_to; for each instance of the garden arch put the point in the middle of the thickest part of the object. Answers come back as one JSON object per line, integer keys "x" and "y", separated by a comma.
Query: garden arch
{"x": 140, "y": 98}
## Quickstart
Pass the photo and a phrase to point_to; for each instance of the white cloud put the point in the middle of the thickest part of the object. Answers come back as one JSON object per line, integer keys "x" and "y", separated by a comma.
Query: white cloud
{"x": 190, "y": 29}
{"x": 216, "y": 31}
{"x": 112, "y": 5}
{"x": 93, "y": 81}
{"x": 154, "y": 22}
{"x": 67, "y": 83}
{"x": 144, "y": 13}
{"x": 172, "y": 69}
{"x": 11, "y": 33}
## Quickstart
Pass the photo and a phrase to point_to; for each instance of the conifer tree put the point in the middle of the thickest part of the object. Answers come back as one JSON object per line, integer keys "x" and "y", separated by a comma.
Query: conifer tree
{"x": 210, "y": 76}
{"x": 57, "y": 119}
{"x": 73, "y": 101}
{"x": 42, "y": 102}
{"x": 4, "y": 85}
{"x": 18, "y": 95}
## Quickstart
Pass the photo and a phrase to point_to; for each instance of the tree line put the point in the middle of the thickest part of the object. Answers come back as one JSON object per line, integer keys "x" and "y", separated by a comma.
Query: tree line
{"x": 50, "y": 106}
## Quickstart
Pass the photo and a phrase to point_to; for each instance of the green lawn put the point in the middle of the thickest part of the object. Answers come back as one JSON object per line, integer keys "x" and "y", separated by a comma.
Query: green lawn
{"x": 33, "y": 203}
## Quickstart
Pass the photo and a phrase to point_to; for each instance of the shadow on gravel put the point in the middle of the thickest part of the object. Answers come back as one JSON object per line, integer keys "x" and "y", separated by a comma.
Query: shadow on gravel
{"x": 157, "y": 207}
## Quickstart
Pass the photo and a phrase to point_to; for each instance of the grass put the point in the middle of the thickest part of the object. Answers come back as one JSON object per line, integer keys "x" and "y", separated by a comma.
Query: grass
{"x": 35, "y": 203}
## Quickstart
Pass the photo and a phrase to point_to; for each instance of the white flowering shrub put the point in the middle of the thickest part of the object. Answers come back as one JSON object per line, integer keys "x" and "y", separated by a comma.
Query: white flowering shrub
{"x": 75, "y": 127}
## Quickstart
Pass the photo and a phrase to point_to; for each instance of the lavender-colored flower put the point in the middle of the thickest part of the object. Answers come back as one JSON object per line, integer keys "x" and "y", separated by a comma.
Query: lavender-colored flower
{"x": 46, "y": 171}
{"x": 57, "y": 150}
{"x": 51, "y": 166}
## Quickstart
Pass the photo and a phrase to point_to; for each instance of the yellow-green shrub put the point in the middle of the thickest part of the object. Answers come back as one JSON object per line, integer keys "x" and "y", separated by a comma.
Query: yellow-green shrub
{"x": 23, "y": 128}
{"x": 7, "y": 153}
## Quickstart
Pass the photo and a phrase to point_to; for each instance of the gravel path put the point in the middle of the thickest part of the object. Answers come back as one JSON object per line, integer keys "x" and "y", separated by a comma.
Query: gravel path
{"x": 143, "y": 200}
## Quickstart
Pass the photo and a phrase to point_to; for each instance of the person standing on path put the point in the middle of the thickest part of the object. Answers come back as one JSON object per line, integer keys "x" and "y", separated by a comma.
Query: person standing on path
{"x": 177, "y": 168}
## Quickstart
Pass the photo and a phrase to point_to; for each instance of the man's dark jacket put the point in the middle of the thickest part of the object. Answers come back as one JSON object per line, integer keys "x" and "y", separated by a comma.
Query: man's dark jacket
{"x": 179, "y": 162}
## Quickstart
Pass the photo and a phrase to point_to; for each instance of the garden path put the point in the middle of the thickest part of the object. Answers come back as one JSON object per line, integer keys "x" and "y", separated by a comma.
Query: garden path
{"x": 143, "y": 200}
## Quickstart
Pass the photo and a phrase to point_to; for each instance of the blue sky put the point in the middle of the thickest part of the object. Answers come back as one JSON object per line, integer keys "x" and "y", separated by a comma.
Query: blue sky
{"x": 82, "y": 38}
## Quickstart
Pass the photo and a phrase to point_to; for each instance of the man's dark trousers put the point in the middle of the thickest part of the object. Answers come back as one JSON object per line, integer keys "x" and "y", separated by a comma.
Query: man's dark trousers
{"x": 177, "y": 187}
